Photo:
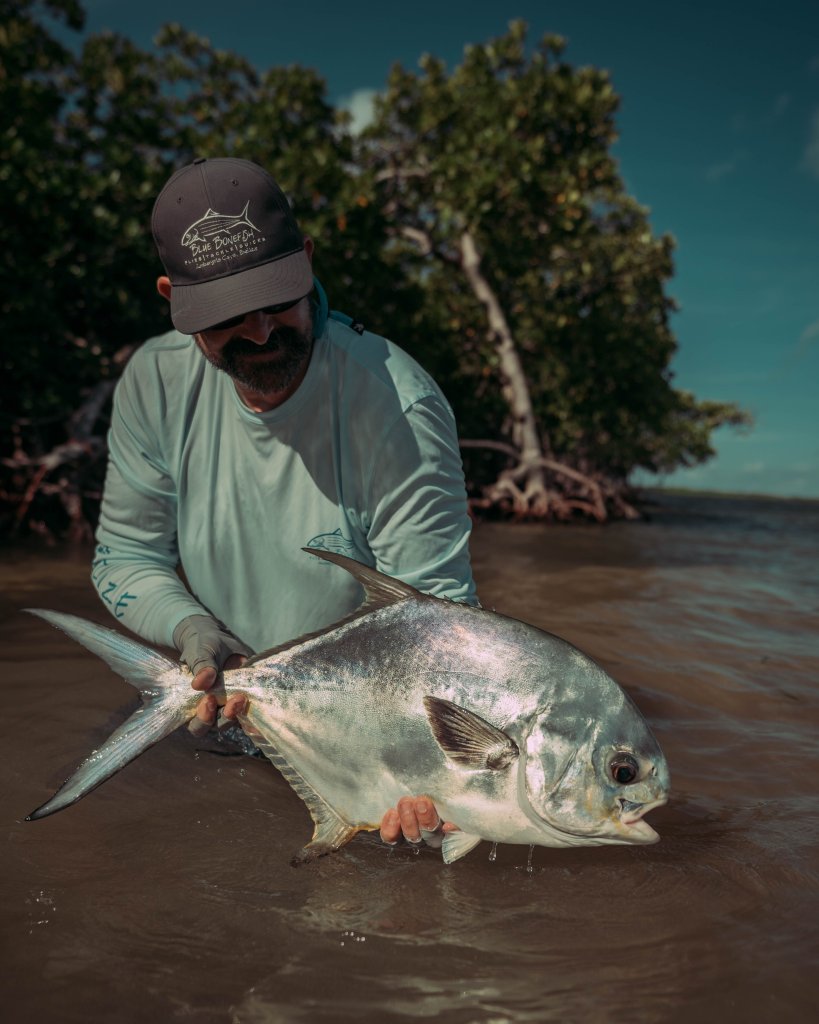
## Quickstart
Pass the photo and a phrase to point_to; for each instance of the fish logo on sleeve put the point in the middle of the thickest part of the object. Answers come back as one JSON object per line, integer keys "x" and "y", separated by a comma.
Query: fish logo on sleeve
{"x": 335, "y": 541}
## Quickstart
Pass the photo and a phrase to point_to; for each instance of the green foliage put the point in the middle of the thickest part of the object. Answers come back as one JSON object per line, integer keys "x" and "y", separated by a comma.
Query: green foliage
{"x": 515, "y": 148}
{"x": 512, "y": 145}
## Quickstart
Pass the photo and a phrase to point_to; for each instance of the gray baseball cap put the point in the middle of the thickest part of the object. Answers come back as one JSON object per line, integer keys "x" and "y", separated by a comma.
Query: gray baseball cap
{"x": 228, "y": 241}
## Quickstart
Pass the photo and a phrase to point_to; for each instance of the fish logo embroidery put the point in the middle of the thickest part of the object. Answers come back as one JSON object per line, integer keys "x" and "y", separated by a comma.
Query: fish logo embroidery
{"x": 335, "y": 541}
{"x": 214, "y": 224}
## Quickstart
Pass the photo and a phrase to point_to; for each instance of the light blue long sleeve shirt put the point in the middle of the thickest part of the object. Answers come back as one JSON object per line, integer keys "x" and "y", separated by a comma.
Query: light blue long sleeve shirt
{"x": 362, "y": 459}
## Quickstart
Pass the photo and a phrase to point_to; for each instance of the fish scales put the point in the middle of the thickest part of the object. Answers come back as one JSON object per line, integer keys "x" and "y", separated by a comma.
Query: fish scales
{"x": 516, "y": 735}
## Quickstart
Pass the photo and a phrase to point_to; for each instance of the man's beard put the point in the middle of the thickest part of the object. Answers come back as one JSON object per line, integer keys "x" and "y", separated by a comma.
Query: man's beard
{"x": 244, "y": 362}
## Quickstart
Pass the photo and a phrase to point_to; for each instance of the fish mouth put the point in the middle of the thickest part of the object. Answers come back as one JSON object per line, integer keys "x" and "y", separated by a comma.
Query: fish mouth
{"x": 631, "y": 815}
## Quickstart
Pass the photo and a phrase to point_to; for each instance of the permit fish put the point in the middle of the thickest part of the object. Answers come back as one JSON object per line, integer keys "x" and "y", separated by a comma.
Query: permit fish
{"x": 516, "y": 735}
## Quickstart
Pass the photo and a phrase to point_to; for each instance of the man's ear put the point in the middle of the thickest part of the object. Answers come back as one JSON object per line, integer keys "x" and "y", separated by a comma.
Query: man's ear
{"x": 308, "y": 248}
{"x": 163, "y": 286}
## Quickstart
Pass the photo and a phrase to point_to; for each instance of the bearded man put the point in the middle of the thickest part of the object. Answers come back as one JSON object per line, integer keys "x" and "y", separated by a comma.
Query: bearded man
{"x": 262, "y": 424}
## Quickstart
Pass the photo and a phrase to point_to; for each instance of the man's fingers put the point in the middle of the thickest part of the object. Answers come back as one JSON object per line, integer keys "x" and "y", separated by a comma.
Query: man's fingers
{"x": 235, "y": 661}
{"x": 234, "y": 706}
{"x": 426, "y": 814}
{"x": 204, "y": 717}
{"x": 416, "y": 818}
{"x": 390, "y": 827}
{"x": 409, "y": 819}
{"x": 204, "y": 678}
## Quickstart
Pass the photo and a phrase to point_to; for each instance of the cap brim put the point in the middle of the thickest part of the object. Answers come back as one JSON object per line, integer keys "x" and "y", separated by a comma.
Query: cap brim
{"x": 195, "y": 307}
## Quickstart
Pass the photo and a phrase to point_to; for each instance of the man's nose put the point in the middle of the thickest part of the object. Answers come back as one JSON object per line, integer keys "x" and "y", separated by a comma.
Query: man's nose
{"x": 256, "y": 327}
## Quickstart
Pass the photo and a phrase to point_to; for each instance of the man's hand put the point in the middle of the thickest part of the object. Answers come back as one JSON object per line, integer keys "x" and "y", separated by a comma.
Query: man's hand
{"x": 208, "y": 706}
{"x": 207, "y": 647}
{"x": 416, "y": 818}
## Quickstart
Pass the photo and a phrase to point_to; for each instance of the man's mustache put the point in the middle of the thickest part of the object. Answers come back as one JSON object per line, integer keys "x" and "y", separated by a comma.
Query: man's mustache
{"x": 278, "y": 337}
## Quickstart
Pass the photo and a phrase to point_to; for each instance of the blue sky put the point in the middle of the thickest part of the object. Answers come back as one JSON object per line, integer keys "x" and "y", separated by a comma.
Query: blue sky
{"x": 719, "y": 138}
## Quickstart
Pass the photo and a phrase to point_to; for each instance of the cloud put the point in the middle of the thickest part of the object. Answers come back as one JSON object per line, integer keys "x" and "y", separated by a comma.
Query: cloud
{"x": 781, "y": 477}
{"x": 724, "y": 168}
{"x": 777, "y": 108}
{"x": 810, "y": 158}
{"x": 807, "y": 340}
{"x": 810, "y": 333}
{"x": 744, "y": 123}
{"x": 716, "y": 172}
{"x": 361, "y": 107}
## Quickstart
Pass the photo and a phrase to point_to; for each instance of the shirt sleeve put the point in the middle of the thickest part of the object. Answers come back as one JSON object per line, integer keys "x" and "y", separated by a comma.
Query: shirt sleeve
{"x": 136, "y": 559}
{"x": 419, "y": 525}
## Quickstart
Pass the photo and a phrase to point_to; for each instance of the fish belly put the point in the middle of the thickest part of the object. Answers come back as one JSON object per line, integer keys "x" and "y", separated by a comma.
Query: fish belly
{"x": 362, "y": 755}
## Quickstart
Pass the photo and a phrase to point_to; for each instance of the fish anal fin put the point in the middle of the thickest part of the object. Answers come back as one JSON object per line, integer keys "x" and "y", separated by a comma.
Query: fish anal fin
{"x": 467, "y": 739}
{"x": 457, "y": 845}
{"x": 330, "y": 830}
{"x": 328, "y": 837}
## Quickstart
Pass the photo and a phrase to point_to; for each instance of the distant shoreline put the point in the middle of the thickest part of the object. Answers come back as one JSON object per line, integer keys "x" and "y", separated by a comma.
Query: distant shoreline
{"x": 688, "y": 492}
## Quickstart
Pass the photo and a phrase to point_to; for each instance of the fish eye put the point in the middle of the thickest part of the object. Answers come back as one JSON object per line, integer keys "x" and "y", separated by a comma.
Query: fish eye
{"x": 624, "y": 769}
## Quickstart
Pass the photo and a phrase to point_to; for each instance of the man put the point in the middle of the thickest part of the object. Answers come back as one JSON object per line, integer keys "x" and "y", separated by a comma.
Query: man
{"x": 263, "y": 424}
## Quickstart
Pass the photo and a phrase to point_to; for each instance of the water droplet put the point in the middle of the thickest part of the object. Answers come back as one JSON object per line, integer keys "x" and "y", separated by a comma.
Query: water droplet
{"x": 529, "y": 860}
{"x": 493, "y": 853}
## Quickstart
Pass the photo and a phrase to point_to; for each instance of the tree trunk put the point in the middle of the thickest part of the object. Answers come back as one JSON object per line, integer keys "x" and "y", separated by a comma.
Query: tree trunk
{"x": 527, "y": 487}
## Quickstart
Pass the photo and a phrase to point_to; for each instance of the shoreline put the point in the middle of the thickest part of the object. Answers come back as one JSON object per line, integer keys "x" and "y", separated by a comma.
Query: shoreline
{"x": 686, "y": 492}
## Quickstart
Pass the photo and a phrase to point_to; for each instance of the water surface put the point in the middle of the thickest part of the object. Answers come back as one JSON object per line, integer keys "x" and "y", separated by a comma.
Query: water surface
{"x": 167, "y": 894}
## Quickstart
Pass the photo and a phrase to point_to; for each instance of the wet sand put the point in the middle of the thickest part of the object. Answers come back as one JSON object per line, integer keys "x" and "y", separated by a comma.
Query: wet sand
{"x": 167, "y": 894}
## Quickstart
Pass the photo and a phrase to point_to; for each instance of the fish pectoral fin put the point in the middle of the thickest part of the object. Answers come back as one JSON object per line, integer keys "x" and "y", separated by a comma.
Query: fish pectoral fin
{"x": 467, "y": 739}
{"x": 457, "y": 845}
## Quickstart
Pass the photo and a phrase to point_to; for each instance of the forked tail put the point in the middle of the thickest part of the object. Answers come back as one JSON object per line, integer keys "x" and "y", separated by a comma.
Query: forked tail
{"x": 167, "y": 702}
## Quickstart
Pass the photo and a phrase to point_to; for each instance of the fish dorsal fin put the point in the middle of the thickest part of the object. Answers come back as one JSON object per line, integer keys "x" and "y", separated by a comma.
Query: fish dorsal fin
{"x": 380, "y": 591}
{"x": 467, "y": 739}
{"x": 379, "y": 588}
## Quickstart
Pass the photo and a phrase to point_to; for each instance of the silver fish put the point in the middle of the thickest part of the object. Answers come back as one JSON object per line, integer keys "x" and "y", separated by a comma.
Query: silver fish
{"x": 516, "y": 735}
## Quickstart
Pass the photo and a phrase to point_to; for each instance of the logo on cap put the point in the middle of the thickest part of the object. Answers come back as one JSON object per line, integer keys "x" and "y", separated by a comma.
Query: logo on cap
{"x": 221, "y": 236}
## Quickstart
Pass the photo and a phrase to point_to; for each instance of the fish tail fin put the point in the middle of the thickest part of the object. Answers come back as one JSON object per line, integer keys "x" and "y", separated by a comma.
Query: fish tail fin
{"x": 167, "y": 702}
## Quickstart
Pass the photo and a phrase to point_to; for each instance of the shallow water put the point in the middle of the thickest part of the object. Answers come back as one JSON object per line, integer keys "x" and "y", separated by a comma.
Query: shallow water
{"x": 167, "y": 894}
